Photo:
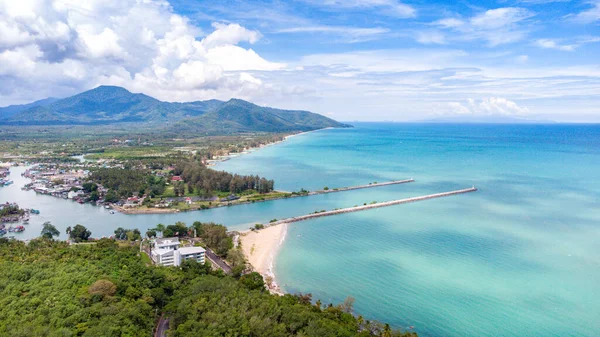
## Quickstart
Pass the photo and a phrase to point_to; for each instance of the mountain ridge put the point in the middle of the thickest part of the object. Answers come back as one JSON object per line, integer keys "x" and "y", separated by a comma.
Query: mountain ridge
{"x": 105, "y": 105}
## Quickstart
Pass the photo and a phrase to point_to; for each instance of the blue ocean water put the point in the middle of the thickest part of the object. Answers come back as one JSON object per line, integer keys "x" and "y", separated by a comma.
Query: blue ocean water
{"x": 520, "y": 257}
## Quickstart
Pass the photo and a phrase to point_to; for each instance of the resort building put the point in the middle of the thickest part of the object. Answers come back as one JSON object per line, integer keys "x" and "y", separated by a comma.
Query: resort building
{"x": 166, "y": 252}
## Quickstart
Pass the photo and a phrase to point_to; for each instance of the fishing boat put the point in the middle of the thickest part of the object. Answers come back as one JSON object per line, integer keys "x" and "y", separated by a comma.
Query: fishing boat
{"x": 3, "y": 232}
{"x": 19, "y": 229}
{"x": 34, "y": 211}
{"x": 11, "y": 229}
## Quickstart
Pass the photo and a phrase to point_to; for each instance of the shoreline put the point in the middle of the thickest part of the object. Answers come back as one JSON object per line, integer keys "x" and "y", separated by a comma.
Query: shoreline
{"x": 260, "y": 248}
{"x": 220, "y": 159}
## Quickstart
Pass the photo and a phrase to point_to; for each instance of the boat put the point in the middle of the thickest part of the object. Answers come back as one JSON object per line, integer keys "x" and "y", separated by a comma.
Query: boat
{"x": 112, "y": 212}
{"x": 3, "y": 232}
{"x": 19, "y": 229}
{"x": 34, "y": 211}
{"x": 107, "y": 207}
{"x": 11, "y": 229}
{"x": 26, "y": 220}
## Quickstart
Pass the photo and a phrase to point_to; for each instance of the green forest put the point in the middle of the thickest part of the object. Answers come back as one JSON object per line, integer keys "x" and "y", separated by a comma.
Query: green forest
{"x": 202, "y": 178}
{"x": 51, "y": 288}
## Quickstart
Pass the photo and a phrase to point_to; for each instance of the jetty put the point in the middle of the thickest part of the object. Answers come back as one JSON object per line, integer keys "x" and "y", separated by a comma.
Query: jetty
{"x": 370, "y": 206}
{"x": 351, "y": 188}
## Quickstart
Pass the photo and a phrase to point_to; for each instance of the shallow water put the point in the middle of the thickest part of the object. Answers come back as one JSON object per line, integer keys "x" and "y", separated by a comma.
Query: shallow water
{"x": 520, "y": 257}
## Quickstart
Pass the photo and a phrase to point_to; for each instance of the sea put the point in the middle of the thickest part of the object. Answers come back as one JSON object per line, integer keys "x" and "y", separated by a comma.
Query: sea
{"x": 519, "y": 257}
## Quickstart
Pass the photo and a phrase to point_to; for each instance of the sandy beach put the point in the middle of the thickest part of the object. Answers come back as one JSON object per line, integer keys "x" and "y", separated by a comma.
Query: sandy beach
{"x": 260, "y": 248}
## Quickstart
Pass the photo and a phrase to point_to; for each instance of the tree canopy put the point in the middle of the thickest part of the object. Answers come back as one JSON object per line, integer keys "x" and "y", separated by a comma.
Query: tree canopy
{"x": 49, "y": 231}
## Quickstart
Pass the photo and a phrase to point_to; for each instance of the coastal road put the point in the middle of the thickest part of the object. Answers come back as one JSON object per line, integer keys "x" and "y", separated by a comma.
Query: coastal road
{"x": 215, "y": 260}
{"x": 162, "y": 327}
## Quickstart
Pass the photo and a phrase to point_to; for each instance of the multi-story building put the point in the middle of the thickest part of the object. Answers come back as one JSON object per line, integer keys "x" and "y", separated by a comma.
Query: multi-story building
{"x": 166, "y": 252}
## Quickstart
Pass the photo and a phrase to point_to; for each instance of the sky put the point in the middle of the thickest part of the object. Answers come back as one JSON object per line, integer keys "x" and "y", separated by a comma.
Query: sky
{"x": 352, "y": 60}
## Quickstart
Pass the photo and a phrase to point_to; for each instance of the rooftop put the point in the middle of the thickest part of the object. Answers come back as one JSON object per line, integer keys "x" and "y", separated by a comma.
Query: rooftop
{"x": 191, "y": 250}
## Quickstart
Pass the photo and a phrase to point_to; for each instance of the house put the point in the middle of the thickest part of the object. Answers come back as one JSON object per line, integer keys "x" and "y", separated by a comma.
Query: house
{"x": 132, "y": 202}
{"x": 176, "y": 178}
{"x": 166, "y": 252}
{"x": 188, "y": 200}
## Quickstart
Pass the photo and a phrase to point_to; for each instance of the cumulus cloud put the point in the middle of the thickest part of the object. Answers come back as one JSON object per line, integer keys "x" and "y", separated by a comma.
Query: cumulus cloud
{"x": 491, "y": 106}
{"x": 59, "y": 47}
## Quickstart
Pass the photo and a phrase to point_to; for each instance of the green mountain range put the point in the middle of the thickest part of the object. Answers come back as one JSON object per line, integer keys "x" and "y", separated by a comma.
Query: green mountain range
{"x": 115, "y": 105}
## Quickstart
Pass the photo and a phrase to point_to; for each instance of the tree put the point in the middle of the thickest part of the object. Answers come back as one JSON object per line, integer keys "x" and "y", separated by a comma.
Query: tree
{"x": 151, "y": 233}
{"x": 111, "y": 196}
{"x": 178, "y": 229}
{"x": 253, "y": 281}
{"x": 94, "y": 196}
{"x": 348, "y": 304}
{"x": 49, "y": 231}
{"x": 79, "y": 233}
{"x": 160, "y": 228}
{"x": 102, "y": 288}
{"x": 127, "y": 234}
{"x": 89, "y": 187}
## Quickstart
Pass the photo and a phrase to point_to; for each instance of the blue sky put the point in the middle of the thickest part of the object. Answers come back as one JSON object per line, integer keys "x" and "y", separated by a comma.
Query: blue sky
{"x": 348, "y": 59}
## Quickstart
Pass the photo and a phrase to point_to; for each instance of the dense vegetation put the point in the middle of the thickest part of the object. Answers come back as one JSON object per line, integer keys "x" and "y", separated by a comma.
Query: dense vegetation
{"x": 127, "y": 183}
{"x": 205, "y": 180}
{"x": 11, "y": 210}
{"x": 48, "y": 288}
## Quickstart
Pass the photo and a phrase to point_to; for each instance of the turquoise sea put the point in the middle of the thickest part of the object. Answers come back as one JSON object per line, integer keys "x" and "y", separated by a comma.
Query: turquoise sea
{"x": 520, "y": 257}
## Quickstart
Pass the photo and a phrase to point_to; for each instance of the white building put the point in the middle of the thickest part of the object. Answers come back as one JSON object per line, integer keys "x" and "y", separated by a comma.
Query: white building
{"x": 166, "y": 252}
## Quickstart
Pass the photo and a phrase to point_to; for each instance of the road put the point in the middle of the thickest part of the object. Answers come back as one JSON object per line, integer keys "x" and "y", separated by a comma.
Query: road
{"x": 162, "y": 327}
{"x": 218, "y": 261}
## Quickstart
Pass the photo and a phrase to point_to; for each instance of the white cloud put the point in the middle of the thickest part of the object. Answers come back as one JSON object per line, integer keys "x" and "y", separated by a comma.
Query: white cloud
{"x": 229, "y": 35}
{"x": 386, "y": 7}
{"x": 351, "y": 34}
{"x": 553, "y": 44}
{"x": 490, "y": 106}
{"x": 496, "y": 26}
{"x": 431, "y": 37}
{"x": 590, "y": 15}
{"x": 559, "y": 45}
{"x": 61, "y": 47}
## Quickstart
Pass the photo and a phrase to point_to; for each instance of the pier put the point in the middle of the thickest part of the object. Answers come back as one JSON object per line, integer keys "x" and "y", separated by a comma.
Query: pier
{"x": 342, "y": 189}
{"x": 371, "y": 206}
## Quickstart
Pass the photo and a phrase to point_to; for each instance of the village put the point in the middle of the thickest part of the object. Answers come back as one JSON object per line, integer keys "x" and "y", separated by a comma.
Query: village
{"x": 74, "y": 181}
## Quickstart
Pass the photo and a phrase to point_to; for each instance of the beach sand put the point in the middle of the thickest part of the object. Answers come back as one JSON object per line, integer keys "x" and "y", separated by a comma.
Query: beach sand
{"x": 260, "y": 248}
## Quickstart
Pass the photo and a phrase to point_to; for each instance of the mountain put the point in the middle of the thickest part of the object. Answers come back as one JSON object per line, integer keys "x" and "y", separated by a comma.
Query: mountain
{"x": 114, "y": 105}
{"x": 243, "y": 116}
{"x": 12, "y": 110}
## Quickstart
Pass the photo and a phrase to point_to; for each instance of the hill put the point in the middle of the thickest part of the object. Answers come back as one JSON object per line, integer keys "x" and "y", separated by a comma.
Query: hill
{"x": 115, "y": 105}
{"x": 51, "y": 288}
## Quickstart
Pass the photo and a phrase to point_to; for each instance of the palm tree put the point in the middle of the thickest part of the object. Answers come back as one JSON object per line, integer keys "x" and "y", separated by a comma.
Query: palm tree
{"x": 160, "y": 228}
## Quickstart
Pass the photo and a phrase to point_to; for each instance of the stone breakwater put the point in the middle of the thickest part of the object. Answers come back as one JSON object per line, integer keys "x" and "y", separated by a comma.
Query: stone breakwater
{"x": 371, "y": 206}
